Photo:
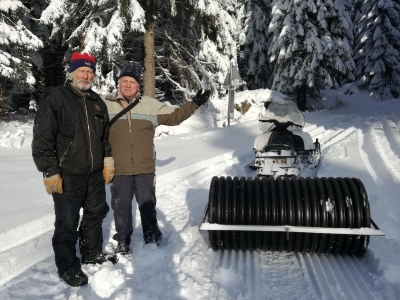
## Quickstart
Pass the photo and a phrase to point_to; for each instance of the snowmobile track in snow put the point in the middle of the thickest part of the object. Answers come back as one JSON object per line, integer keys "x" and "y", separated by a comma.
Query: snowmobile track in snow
{"x": 327, "y": 137}
{"x": 332, "y": 277}
{"x": 246, "y": 267}
{"x": 308, "y": 276}
{"x": 391, "y": 125}
{"x": 381, "y": 143}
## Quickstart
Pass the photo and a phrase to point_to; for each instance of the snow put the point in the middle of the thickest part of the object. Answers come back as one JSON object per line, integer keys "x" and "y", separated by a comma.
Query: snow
{"x": 55, "y": 10}
{"x": 359, "y": 136}
{"x": 18, "y": 35}
{"x": 11, "y": 5}
{"x": 319, "y": 33}
{"x": 137, "y": 15}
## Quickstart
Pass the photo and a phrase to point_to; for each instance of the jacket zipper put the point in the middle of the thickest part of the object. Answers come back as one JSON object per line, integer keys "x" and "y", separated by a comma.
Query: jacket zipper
{"x": 128, "y": 119}
{"x": 130, "y": 135}
{"x": 90, "y": 139}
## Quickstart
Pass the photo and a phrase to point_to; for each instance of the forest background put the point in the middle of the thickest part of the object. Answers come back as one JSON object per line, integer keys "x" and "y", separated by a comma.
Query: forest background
{"x": 297, "y": 47}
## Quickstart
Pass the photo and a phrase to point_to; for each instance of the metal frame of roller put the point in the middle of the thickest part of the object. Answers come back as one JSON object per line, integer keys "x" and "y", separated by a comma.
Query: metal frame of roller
{"x": 292, "y": 214}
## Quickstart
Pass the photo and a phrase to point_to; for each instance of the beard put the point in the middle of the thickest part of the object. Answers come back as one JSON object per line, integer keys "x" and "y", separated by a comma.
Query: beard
{"x": 82, "y": 84}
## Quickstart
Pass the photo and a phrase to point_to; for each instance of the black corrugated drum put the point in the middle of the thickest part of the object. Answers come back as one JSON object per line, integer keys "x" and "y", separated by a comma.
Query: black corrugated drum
{"x": 297, "y": 201}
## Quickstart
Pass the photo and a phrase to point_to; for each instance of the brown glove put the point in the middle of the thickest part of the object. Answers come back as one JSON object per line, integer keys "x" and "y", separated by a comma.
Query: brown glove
{"x": 108, "y": 170}
{"x": 53, "y": 184}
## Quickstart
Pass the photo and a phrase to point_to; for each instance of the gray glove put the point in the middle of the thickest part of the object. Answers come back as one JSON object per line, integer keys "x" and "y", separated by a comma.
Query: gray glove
{"x": 201, "y": 97}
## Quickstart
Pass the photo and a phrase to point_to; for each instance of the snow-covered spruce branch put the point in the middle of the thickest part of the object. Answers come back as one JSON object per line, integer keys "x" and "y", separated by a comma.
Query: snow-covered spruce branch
{"x": 101, "y": 14}
{"x": 10, "y": 22}
{"x": 29, "y": 34}
{"x": 180, "y": 47}
{"x": 178, "y": 60}
{"x": 78, "y": 12}
{"x": 196, "y": 64}
{"x": 173, "y": 82}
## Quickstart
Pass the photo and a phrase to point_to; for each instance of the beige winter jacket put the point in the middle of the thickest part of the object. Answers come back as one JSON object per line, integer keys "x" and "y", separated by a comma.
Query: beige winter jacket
{"x": 132, "y": 144}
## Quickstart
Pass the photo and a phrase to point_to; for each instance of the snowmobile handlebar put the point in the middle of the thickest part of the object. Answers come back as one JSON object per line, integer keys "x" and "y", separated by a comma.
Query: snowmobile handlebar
{"x": 281, "y": 126}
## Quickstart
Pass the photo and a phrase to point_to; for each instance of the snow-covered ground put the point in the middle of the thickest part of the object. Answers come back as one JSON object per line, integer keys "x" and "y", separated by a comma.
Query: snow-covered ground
{"x": 360, "y": 139}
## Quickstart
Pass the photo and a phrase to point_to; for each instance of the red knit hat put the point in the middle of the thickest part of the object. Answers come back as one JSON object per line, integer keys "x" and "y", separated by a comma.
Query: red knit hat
{"x": 82, "y": 60}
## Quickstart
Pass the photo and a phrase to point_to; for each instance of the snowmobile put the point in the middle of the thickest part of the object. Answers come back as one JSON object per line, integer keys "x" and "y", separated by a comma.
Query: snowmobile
{"x": 284, "y": 148}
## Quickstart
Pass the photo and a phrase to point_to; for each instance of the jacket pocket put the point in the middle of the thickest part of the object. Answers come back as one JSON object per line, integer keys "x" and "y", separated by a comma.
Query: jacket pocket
{"x": 64, "y": 145}
{"x": 99, "y": 117}
{"x": 64, "y": 141}
{"x": 99, "y": 125}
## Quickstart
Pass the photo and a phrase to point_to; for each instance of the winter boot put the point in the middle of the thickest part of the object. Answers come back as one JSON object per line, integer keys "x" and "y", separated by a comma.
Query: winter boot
{"x": 153, "y": 237}
{"x": 98, "y": 258}
{"x": 158, "y": 239}
{"x": 122, "y": 249}
{"x": 74, "y": 277}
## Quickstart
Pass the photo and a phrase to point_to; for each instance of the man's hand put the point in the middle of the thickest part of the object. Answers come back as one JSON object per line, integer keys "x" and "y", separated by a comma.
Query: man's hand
{"x": 53, "y": 184}
{"x": 108, "y": 170}
{"x": 201, "y": 97}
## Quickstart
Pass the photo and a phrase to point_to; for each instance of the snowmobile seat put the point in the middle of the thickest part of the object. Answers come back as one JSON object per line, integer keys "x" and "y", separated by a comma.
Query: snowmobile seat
{"x": 282, "y": 138}
{"x": 299, "y": 142}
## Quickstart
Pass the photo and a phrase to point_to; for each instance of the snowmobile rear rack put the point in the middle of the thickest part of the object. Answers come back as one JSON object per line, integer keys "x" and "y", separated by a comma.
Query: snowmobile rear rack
{"x": 290, "y": 228}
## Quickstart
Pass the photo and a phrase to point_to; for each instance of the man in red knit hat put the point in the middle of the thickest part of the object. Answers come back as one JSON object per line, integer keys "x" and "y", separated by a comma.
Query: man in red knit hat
{"x": 70, "y": 147}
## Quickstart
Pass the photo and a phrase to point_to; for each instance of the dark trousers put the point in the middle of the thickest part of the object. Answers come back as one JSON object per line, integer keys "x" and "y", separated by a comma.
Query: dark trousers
{"x": 123, "y": 188}
{"x": 87, "y": 192}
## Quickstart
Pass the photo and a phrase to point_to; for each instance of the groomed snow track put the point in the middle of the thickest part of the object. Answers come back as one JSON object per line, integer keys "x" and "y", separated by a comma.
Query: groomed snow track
{"x": 295, "y": 276}
{"x": 204, "y": 274}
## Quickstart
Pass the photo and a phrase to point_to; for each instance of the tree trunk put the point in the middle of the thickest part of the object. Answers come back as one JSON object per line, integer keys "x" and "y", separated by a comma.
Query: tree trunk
{"x": 4, "y": 116}
{"x": 302, "y": 97}
{"x": 149, "y": 74}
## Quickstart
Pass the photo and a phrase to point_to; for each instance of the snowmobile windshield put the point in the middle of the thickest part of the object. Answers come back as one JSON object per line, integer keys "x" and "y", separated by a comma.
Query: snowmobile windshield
{"x": 283, "y": 112}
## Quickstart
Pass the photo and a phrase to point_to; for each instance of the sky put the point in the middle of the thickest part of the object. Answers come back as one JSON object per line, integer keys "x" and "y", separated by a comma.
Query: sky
{"x": 359, "y": 136}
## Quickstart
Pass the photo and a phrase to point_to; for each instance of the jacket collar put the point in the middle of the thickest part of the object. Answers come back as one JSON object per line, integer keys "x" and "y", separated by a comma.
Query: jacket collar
{"x": 117, "y": 96}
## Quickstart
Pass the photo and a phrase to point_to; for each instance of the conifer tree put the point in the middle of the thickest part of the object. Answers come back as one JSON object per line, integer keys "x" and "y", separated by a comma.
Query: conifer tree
{"x": 355, "y": 14}
{"x": 178, "y": 70}
{"x": 257, "y": 68}
{"x": 195, "y": 41}
{"x": 100, "y": 28}
{"x": 378, "y": 48}
{"x": 310, "y": 46}
{"x": 351, "y": 6}
{"x": 18, "y": 55}
{"x": 222, "y": 33}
